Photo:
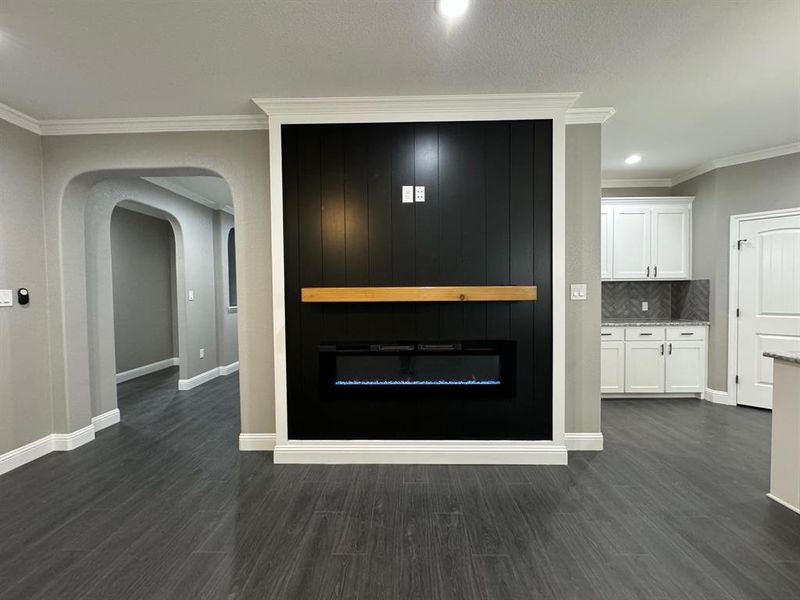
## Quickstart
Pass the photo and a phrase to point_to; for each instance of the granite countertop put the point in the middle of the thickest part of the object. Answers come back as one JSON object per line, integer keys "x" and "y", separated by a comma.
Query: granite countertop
{"x": 652, "y": 323}
{"x": 788, "y": 356}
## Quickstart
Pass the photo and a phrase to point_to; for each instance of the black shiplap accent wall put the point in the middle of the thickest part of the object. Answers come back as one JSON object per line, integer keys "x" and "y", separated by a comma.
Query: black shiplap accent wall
{"x": 486, "y": 219}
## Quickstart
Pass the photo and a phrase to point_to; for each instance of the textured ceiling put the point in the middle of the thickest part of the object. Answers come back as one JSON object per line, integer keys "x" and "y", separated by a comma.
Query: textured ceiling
{"x": 691, "y": 81}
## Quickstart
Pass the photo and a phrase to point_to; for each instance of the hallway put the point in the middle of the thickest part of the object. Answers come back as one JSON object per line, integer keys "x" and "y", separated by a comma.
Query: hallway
{"x": 165, "y": 506}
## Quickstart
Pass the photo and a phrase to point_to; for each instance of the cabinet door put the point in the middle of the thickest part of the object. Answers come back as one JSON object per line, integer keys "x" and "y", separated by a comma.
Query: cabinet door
{"x": 644, "y": 367}
{"x": 670, "y": 243}
{"x": 606, "y": 241}
{"x": 686, "y": 367}
{"x": 631, "y": 255}
{"x": 612, "y": 367}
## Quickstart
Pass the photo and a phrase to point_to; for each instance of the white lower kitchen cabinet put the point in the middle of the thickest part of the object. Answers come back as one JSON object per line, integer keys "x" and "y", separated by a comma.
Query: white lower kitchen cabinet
{"x": 612, "y": 367}
{"x": 685, "y": 367}
{"x": 644, "y": 367}
{"x": 653, "y": 361}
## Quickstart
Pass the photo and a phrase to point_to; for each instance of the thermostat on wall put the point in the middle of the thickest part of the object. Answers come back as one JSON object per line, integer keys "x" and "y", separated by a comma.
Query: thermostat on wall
{"x": 6, "y": 297}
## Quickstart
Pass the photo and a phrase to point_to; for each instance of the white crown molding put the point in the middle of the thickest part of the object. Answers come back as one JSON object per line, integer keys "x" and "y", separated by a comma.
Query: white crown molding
{"x": 585, "y": 116}
{"x": 153, "y": 125}
{"x": 736, "y": 159}
{"x": 19, "y": 118}
{"x": 416, "y": 108}
{"x": 635, "y": 183}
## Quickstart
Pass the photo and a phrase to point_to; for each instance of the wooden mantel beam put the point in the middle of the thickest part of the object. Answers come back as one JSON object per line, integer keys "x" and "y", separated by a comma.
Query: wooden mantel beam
{"x": 458, "y": 293}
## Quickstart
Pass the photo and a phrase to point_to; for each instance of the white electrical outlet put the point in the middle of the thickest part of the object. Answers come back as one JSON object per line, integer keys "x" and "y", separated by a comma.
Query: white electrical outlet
{"x": 202, "y": 352}
{"x": 577, "y": 291}
{"x": 408, "y": 194}
{"x": 645, "y": 307}
{"x": 419, "y": 193}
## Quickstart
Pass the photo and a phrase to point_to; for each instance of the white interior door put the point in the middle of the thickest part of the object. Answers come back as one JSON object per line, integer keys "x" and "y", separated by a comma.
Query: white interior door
{"x": 670, "y": 243}
{"x": 768, "y": 302}
{"x": 631, "y": 255}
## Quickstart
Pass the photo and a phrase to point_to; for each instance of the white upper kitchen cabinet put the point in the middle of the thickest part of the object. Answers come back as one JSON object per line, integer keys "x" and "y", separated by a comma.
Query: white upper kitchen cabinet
{"x": 646, "y": 238}
{"x": 670, "y": 242}
{"x": 631, "y": 242}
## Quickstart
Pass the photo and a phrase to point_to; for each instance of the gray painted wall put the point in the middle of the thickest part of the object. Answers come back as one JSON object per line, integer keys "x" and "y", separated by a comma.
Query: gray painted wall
{"x": 634, "y": 192}
{"x": 25, "y": 405}
{"x": 227, "y": 320}
{"x": 751, "y": 187}
{"x": 141, "y": 253}
{"x": 72, "y": 166}
{"x": 583, "y": 266}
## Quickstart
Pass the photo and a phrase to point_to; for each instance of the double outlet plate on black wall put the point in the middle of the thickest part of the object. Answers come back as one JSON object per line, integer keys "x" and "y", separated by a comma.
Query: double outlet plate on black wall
{"x": 486, "y": 220}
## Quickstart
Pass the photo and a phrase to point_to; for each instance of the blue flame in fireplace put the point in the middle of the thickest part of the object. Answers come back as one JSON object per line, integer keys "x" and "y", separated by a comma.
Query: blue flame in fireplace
{"x": 417, "y": 382}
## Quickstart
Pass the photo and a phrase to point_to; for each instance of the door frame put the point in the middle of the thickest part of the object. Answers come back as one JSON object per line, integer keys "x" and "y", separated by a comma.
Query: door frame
{"x": 733, "y": 290}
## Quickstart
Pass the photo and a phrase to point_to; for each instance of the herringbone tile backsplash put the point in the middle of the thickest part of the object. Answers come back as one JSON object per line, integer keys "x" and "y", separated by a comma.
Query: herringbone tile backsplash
{"x": 666, "y": 299}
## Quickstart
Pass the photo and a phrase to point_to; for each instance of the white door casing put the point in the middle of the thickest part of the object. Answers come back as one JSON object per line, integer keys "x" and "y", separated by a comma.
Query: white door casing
{"x": 606, "y": 242}
{"x": 768, "y": 299}
{"x": 670, "y": 243}
{"x": 631, "y": 245}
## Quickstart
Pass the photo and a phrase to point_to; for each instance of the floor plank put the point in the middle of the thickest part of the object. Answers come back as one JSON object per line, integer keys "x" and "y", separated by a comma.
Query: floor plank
{"x": 164, "y": 505}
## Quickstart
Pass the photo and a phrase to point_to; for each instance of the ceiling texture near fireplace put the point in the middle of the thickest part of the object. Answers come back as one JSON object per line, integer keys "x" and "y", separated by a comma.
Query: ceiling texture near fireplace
{"x": 434, "y": 370}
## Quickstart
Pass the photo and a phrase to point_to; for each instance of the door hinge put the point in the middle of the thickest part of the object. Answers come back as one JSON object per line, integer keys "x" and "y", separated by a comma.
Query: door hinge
{"x": 737, "y": 380}
{"x": 739, "y": 244}
{"x": 737, "y": 312}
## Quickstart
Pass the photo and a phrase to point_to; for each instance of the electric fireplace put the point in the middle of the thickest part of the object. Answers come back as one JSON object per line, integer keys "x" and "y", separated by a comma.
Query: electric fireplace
{"x": 482, "y": 369}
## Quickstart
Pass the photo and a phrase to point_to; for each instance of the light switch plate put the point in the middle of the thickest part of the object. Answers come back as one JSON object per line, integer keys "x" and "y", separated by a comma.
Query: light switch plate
{"x": 191, "y": 295}
{"x": 408, "y": 194}
{"x": 419, "y": 193}
{"x": 202, "y": 352}
{"x": 645, "y": 307}
{"x": 6, "y": 297}
{"x": 577, "y": 291}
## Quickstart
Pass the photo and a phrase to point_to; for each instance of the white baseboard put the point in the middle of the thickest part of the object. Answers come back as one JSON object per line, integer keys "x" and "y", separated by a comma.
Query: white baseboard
{"x": 228, "y": 369}
{"x": 420, "y": 452}
{"x": 63, "y": 442}
{"x": 256, "y": 442}
{"x": 784, "y": 503}
{"x": 147, "y": 369}
{"x": 56, "y": 442}
{"x": 107, "y": 419}
{"x": 188, "y": 384}
{"x": 25, "y": 454}
{"x": 583, "y": 441}
{"x": 718, "y": 397}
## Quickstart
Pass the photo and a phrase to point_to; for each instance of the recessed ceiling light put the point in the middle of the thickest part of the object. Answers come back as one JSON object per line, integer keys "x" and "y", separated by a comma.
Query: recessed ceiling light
{"x": 451, "y": 9}
{"x": 633, "y": 159}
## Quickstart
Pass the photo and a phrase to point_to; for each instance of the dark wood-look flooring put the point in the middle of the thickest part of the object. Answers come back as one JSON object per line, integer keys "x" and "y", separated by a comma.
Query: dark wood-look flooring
{"x": 164, "y": 506}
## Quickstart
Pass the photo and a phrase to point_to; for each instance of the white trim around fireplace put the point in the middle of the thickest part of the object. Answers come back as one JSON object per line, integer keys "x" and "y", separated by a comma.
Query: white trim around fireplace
{"x": 284, "y": 111}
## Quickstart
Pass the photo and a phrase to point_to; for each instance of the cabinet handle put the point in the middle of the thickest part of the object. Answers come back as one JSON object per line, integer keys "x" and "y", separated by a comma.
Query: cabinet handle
{"x": 655, "y": 272}
{"x": 687, "y": 333}
{"x": 670, "y": 347}
{"x": 662, "y": 349}
{"x": 605, "y": 334}
{"x": 648, "y": 271}
{"x": 645, "y": 334}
